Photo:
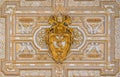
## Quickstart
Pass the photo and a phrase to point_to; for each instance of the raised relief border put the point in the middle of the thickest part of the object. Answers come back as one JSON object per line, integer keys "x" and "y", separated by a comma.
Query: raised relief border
{"x": 84, "y": 0}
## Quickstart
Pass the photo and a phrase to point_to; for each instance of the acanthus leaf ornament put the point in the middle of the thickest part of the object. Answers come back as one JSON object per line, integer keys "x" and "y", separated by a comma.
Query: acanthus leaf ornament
{"x": 59, "y": 37}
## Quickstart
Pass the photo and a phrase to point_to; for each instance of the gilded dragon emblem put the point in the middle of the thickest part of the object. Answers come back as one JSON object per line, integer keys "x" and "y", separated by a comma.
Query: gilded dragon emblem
{"x": 59, "y": 37}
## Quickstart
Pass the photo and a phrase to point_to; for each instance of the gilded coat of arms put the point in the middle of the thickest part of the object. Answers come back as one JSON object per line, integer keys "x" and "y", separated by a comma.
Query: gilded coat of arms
{"x": 59, "y": 37}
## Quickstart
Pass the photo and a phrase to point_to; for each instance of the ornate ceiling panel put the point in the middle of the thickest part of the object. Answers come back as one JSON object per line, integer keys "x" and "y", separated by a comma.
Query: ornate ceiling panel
{"x": 95, "y": 51}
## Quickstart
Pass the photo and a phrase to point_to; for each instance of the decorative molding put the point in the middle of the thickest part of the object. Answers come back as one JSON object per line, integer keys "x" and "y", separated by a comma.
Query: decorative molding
{"x": 97, "y": 20}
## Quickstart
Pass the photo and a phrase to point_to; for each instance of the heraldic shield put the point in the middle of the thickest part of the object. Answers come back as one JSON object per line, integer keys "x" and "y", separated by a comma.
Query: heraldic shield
{"x": 59, "y": 37}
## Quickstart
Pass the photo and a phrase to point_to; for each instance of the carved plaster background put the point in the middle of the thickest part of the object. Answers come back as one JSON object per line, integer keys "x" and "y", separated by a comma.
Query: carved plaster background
{"x": 95, "y": 51}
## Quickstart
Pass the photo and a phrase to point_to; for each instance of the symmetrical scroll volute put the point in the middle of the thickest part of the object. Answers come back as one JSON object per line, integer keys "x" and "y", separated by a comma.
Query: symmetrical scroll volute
{"x": 59, "y": 37}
